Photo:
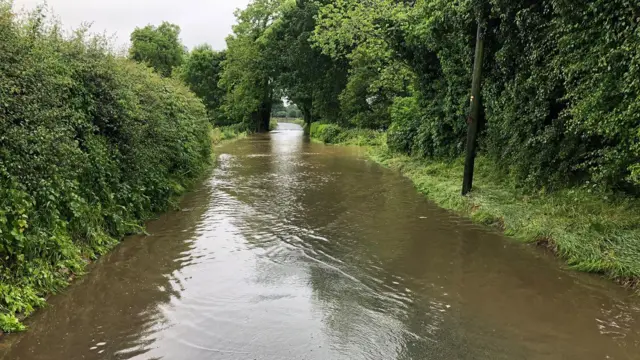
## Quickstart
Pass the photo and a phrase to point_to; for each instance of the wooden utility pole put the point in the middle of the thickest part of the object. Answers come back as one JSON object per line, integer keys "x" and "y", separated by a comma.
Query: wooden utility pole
{"x": 474, "y": 117}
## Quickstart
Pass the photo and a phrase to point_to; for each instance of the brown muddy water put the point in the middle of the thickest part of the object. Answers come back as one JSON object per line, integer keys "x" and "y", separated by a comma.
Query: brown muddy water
{"x": 295, "y": 250}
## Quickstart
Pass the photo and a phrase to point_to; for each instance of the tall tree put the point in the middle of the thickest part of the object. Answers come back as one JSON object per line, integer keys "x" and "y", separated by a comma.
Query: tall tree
{"x": 201, "y": 71}
{"x": 310, "y": 79}
{"x": 159, "y": 47}
{"x": 248, "y": 75}
{"x": 358, "y": 33}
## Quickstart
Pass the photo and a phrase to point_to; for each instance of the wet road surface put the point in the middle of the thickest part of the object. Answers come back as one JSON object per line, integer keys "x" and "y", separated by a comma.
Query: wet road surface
{"x": 295, "y": 250}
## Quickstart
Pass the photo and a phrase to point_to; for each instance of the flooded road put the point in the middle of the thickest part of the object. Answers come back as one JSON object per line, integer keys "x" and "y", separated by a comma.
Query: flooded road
{"x": 295, "y": 250}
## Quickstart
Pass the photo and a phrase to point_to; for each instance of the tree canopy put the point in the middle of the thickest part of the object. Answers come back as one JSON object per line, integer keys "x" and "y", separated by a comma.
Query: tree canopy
{"x": 159, "y": 47}
{"x": 201, "y": 71}
{"x": 560, "y": 90}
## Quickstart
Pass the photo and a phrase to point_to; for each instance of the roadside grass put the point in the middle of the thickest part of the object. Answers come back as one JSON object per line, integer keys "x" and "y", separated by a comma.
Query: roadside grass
{"x": 218, "y": 135}
{"x": 273, "y": 124}
{"x": 591, "y": 231}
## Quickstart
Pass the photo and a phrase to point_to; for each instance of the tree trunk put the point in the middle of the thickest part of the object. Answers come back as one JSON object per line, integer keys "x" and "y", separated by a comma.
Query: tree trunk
{"x": 474, "y": 117}
{"x": 255, "y": 119}
{"x": 308, "y": 118}
{"x": 265, "y": 117}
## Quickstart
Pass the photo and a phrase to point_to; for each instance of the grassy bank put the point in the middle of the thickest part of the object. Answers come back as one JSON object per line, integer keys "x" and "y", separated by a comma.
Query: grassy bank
{"x": 334, "y": 134}
{"x": 591, "y": 231}
{"x": 220, "y": 135}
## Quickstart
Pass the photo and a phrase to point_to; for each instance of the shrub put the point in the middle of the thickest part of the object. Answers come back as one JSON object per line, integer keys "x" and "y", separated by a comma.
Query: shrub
{"x": 335, "y": 134}
{"x": 560, "y": 87}
{"x": 405, "y": 117}
{"x": 327, "y": 133}
{"x": 90, "y": 145}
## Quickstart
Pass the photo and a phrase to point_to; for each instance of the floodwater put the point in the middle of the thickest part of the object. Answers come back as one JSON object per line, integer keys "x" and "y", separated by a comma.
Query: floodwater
{"x": 295, "y": 250}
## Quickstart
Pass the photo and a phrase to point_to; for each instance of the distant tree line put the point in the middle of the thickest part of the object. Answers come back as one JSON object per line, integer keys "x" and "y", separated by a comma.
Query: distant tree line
{"x": 280, "y": 110}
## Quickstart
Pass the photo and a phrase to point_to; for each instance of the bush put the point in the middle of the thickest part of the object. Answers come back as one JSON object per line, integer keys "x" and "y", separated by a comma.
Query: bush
{"x": 335, "y": 134}
{"x": 560, "y": 88}
{"x": 405, "y": 117}
{"x": 201, "y": 72}
{"x": 90, "y": 145}
{"x": 327, "y": 133}
{"x": 219, "y": 134}
{"x": 273, "y": 124}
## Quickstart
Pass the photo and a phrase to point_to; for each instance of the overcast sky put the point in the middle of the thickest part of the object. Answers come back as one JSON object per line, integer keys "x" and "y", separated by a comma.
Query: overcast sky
{"x": 201, "y": 21}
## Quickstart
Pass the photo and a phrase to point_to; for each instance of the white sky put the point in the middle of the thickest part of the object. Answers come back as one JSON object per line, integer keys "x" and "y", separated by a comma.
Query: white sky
{"x": 201, "y": 21}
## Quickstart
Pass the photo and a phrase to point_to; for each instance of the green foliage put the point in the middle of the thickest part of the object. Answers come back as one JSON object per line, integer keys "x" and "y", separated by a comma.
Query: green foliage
{"x": 294, "y": 112}
{"x": 159, "y": 47}
{"x": 201, "y": 72}
{"x": 560, "y": 90}
{"x": 219, "y": 135}
{"x": 568, "y": 110}
{"x": 402, "y": 136}
{"x": 435, "y": 39}
{"x": 90, "y": 145}
{"x": 354, "y": 31}
{"x": 270, "y": 57}
{"x": 307, "y": 77}
{"x": 9, "y": 323}
{"x": 334, "y": 134}
{"x": 248, "y": 71}
{"x": 279, "y": 110}
{"x": 327, "y": 133}
{"x": 273, "y": 124}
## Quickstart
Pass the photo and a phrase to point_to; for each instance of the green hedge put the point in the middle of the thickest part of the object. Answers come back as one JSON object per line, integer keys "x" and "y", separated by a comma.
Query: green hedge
{"x": 90, "y": 145}
{"x": 327, "y": 133}
{"x": 335, "y": 134}
{"x": 560, "y": 89}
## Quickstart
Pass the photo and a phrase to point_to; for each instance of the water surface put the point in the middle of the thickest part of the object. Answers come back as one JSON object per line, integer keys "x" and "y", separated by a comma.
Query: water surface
{"x": 295, "y": 250}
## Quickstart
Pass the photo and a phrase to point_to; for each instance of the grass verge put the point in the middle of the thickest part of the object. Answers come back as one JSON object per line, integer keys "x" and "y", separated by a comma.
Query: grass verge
{"x": 220, "y": 135}
{"x": 591, "y": 231}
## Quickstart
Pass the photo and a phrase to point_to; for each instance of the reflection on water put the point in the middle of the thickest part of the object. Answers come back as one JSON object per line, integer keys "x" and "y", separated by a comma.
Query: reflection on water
{"x": 294, "y": 250}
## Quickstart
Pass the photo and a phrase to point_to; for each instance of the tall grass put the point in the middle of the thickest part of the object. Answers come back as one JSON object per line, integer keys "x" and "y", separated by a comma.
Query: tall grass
{"x": 219, "y": 135}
